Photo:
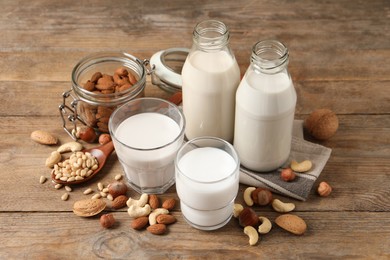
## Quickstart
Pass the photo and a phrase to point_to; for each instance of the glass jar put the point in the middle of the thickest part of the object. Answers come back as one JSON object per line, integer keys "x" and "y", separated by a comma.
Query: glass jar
{"x": 265, "y": 106}
{"x": 93, "y": 108}
{"x": 210, "y": 78}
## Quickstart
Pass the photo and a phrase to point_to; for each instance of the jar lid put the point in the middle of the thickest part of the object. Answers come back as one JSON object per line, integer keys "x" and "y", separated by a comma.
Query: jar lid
{"x": 166, "y": 68}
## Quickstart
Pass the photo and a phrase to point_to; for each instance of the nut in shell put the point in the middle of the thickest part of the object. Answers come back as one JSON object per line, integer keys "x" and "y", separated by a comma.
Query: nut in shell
{"x": 88, "y": 207}
{"x": 291, "y": 223}
{"x": 43, "y": 137}
{"x": 322, "y": 124}
{"x": 324, "y": 189}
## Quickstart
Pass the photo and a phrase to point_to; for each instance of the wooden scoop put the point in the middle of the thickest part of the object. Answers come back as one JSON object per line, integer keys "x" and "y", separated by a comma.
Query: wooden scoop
{"x": 101, "y": 154}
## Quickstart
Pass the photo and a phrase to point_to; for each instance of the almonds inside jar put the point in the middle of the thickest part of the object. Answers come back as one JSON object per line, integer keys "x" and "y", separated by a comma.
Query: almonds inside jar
{"x": 97, "y": 116}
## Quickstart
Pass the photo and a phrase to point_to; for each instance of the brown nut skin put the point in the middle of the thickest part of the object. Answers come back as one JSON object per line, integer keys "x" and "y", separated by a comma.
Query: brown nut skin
{"x": 287, "y": 175}
{"x": 107, "y": 220}
{"x": 104, "y": 138}
{"x": 169, "y": 204}
{"x": 324, "y": 189}
{"x": 157, "y": 229}
{"x": 119, "y": 202}
{"x": 262, "y": 196}
{"x": 248, "y": 217}
{"x": 117, "y": 188}
{"x": 87, "y": 134}
{"x": 322, "y": 124}
{"x": 139, "y": 223}
{"x": 154, "y": 201}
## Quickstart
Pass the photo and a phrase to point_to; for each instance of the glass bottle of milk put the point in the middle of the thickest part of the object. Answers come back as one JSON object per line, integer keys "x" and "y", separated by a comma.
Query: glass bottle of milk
{"x": 210, "y": 77}
{"x": 265, "y": 106}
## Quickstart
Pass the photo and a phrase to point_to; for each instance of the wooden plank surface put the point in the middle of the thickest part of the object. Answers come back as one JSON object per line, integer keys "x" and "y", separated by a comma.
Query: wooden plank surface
{"x": 339, "y": 59}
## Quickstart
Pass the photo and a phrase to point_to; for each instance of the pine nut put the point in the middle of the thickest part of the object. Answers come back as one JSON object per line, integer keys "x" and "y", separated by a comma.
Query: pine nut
{"x": 105, "y": 190}
{"x": 110, "y": 197}
{"x": 88, "y": 191}
{"x": 100, "y": 186}
{"x": 67, "y": 188}
{"x": 65, "y": 196}
{"x": 58, "y": 186}
{"x": 103, "y": 194}
{"x": 96, "y": 196}
{"x": 118, "y": 177}
{"x": 42, "y": 179}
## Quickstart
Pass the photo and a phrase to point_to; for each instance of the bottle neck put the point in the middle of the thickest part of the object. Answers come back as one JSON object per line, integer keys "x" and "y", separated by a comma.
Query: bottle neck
{"x": 269, "y": 56}
{"x": 211, "y": 35}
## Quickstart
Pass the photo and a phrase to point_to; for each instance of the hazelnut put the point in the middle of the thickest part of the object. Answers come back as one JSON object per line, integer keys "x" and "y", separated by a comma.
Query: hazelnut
{"x": 104, "y": 138}
{"x": 262, "y": 196}
{"x": 324, "y": 189}
{"x": 248, "y": 217}
{"x": 86, "y": 133}
{"x": 117, "y": 188}
{"x": 287, "y": 175}
{"x": 107, "y": 220}
{"x": 322, "y": 124}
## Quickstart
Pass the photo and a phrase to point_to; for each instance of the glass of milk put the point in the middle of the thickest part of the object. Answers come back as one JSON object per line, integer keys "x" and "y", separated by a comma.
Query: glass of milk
{"x": 207, "y": 179}
{"x": 147, "y": 133}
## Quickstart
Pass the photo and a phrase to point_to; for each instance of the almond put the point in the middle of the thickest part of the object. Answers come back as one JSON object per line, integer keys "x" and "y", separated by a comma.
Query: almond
{"x": 119, "y": 202}
{"x": 165, "y": 219}
{"x": 291, "y": 223}
{"x": 43, "y": 137}
{"x": 139, "y": 223}
{"x": 154, "y": 201}
{"x": 88, "y": 207}
{"x": 169, "y": 204}
{"x": 157, "y": 229}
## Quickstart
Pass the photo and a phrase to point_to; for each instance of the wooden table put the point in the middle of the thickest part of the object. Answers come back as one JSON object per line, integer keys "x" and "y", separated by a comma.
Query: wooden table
{"x": 339, "y": 59}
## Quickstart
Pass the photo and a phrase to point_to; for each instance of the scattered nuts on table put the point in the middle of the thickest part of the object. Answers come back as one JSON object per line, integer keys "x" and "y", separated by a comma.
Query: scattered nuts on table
{"x": 117, "y": 188}
{"x": 251, "y": 232}
{"x": 157, "y": 229}
{"x": 42, "y": 179}
{"x": 118, "y": 177}
{"x": 324, "y": 189}
{"x": 88, "y": 207}
{"x": 139, "y": 223}
{"x": 70, "y": 147}
{"x": 156, "y": 212}
{"x": 107, "y": 220}
{"x": 154, "y": 202}
{"x": 65, "y": 196}
{"x": 282, "y": 207}
{"x": 322, "y": 124}
{"x": 262, "y": 196}
{"x": 43, "y": 137}
{"x": 169, "y": 204}
{"x": 291, "y": 223}
{"x": 119, "y": 202}
{"x": 265, "y": 225}
{"x": 248, "y": 196}
{"x": 53, "y": 159}
{"x": 237, "y": 209}
{"x": 248, "y": 217}
{"x": 88, "y": 191}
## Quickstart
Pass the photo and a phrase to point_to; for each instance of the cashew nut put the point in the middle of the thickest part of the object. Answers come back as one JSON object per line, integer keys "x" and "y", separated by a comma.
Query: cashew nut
{"x": 70, "y": 147}
{"x": 265, "y": 225}
{"x": 247, "y": 196}
{"x": 55, "y": 157}
{"x": 302, "y": 166}
{"x": 282, "y": 207}
{"x": 237, "y": 208}
{"x": 252, "y": 234}
{"x": 136, "y": 211}
{"x": 140, "y": 203}
{"x": 155, "y": 213}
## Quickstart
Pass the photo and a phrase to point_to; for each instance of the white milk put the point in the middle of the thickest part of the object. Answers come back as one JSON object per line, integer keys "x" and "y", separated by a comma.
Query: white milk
{"x": 148, "y": 161}
{"x": 264, "y": 119}
{"x": 207, "y": 186}
{"x": 210, "y": 81}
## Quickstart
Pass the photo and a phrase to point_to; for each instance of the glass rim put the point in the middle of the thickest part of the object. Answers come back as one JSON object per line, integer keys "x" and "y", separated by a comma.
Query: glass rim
{"x": 182, "y": 128}
{"x": 234, "y": 156}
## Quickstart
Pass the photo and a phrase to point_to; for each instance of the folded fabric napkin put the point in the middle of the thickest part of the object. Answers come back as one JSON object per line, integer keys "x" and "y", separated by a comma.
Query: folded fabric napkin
{"x": 300, "y": 150}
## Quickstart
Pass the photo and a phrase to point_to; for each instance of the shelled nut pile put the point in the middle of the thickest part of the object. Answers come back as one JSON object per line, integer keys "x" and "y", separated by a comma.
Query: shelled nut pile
{"x": 80, "y": 165}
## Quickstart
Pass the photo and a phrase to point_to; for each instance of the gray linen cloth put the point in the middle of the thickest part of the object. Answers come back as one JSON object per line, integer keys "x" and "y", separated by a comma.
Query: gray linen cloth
{"x": 301, "y": 150}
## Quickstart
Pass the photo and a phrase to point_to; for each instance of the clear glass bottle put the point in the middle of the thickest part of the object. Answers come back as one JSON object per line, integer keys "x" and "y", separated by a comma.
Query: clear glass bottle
{"x": 265, "y": 106}
{"x": 210, "y": 79}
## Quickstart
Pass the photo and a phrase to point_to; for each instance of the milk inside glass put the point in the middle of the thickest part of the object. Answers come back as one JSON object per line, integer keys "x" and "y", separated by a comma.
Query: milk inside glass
{"x": 265, "y": 105}
{"x": 207, "y": 184}
{"x": 147, "y": 134}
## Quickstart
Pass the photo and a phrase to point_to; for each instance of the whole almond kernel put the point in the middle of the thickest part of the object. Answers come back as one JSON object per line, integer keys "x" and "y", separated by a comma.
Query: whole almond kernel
{"x": 165, "y": 219}
{"x": 139, "y": 223}
{"x": 157, "y": 229}
{"x": 119, "y": 202}
{"x": 154, "y": 201}
{"x": 169, "y": 204}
